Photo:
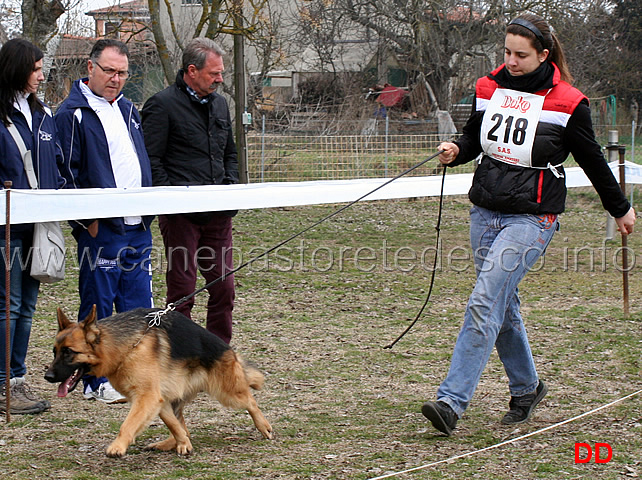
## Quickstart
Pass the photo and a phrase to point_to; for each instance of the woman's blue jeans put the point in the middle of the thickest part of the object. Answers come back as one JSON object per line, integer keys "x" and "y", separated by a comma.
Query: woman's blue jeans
{"x": 22, "y": 299}
{"x": 505, "y": 248}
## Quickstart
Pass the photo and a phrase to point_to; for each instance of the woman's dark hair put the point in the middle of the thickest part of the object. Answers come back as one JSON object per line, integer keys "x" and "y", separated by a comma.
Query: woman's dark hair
{"x": 18, "y": 59}
{"x": 541, "y": 35}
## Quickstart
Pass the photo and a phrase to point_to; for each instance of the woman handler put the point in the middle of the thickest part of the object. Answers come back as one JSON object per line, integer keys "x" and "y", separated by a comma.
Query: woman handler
{"x": 527, "y": 118}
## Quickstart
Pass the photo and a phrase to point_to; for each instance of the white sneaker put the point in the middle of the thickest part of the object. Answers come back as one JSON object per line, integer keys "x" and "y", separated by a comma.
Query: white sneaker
{"x": 88, "y": 393}
{"x": 106, "y": 394}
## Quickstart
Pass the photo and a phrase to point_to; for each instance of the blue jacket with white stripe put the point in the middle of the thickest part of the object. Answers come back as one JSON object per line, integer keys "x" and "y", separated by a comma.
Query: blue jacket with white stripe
{"x": 86, "y": 151}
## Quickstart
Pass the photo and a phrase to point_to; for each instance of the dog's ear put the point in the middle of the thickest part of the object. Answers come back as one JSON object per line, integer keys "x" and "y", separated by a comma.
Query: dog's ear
{"x": 92, "y": 333}
{"x": 63, "y": 321}
{"x": 91, "y": 317}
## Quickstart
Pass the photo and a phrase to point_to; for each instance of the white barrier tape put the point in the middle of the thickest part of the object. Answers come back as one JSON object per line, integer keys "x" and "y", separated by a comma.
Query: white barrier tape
{"x": 507, "y": 442}
{"x": 29, "y": 206}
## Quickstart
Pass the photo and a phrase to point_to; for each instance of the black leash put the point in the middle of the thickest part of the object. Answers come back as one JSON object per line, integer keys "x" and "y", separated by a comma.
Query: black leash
{"x": 434, "y": 265}
{"x": 172, "y": 306}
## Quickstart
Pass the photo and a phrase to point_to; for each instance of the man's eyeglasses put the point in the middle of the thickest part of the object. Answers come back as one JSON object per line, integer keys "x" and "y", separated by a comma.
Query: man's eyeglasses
{"x": 110, "y": 72}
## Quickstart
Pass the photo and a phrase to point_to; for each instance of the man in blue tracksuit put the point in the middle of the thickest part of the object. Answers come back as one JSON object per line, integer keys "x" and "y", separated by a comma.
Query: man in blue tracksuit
{"x": 102, "y": 140}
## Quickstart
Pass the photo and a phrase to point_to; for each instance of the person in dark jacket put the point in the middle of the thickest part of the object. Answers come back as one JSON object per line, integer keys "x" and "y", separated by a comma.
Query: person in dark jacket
{"x": 20, "y": 76}
{"x": 189, "y": 139}
{"x": 102, "y": 140}
{"x": 526, "y": 119}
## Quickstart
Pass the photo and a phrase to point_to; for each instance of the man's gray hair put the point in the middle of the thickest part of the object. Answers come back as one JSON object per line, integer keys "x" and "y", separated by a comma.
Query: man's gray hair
{"x": 196, "y": 51}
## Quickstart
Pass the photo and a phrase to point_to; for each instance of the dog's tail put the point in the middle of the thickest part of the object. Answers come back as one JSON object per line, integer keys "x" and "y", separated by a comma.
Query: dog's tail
{"x": 255, "y": 378}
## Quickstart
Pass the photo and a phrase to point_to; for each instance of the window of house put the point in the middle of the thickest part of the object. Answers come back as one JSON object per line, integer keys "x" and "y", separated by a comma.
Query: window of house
{"x": 111, "y": 30}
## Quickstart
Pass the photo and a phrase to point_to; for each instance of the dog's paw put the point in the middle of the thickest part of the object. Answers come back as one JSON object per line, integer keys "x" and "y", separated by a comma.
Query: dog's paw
{"x": 184, "y": 449}
{"x": 115, "y": 450}
{"x": 268, "y": 433}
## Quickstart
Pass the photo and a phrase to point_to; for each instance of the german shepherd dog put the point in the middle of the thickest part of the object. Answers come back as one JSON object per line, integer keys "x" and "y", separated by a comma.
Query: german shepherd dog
{"x": 158, "y": 366}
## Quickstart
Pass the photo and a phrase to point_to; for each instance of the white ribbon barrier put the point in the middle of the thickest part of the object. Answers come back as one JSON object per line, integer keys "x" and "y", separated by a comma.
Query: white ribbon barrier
{"x": 29, "y": 206}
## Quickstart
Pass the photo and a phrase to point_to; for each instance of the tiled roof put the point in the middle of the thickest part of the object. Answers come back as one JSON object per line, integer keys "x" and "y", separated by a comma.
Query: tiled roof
{"x": 136, "y": 6}
{"x": 71, "y": 46}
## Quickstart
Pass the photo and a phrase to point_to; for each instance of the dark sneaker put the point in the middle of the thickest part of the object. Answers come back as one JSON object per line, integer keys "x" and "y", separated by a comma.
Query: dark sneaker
{"x": 443, "y": 417}
{"x": 520, "y": 408}
{"x": 21, "y": 404}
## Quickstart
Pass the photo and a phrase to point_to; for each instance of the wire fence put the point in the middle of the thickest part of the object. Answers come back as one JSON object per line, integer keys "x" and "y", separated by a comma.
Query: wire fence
{"x": 278, "y": 158}
{"x": 282, "y": 157}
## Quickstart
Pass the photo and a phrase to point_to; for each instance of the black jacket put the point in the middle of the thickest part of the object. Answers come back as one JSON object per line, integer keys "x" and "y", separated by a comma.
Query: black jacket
{"x": 189, "y": 143}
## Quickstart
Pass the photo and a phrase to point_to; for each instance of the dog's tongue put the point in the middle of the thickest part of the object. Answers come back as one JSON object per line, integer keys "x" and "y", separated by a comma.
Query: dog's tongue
{"x": 67, "y": 385}
{"x": 63, "y": 389}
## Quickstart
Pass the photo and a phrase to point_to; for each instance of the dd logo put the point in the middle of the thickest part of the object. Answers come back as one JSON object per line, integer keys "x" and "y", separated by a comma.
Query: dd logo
{"x": 584, "y": 452}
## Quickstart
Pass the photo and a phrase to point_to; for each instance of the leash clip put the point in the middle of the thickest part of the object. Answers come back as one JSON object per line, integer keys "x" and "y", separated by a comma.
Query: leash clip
{"x": 155, "y": 317}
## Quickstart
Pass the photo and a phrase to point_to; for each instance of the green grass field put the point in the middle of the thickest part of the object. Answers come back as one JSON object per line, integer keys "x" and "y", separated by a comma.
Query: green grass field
{"x": 315, "y": 316}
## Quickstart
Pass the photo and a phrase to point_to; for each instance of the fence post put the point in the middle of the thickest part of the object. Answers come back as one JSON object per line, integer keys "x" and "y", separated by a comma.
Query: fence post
{"x": 263, "y": 148}
{"x": 7, "y": 300}
{"x": 625, "y": 247}
{"x": 611, "y": 148}
{"x": 632, "y": 154}
{"x": 385, "y": 166}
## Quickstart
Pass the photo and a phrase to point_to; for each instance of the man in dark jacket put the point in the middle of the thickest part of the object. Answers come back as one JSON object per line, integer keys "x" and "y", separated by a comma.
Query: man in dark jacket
{"x": 189, "y": 140}
{"x": 102, "y": 141}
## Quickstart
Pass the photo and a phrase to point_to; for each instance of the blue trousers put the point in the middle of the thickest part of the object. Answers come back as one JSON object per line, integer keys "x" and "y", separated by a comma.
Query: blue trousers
{"x": 22, "y": 305}
{"x": 114, "y": 271}
{"x": 505, "y": 248}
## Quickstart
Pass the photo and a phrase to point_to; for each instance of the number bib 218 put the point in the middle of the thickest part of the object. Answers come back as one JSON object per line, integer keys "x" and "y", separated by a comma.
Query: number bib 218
{"x": 509, "y": 125}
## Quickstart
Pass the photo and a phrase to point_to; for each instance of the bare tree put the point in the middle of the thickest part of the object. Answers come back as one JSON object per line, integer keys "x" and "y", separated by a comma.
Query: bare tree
{"x": 39, "y": 19}
{"x": 602, "y": 40}
{"x": 159, "y": 39}
{"x": 436, "y": 38}
{"x": 173, "y": 26}
{"x": 10, "y": 19}
{"x": 3, "y": 34}
{"x": 448, "y": 42}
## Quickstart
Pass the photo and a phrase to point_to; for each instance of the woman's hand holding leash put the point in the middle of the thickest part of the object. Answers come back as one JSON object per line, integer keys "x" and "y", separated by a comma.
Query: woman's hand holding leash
{"x": 450, "y": 152}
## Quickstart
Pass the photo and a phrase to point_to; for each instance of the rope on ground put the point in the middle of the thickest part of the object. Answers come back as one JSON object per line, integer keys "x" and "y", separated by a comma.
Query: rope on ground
{"x": 507, "y": 442}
